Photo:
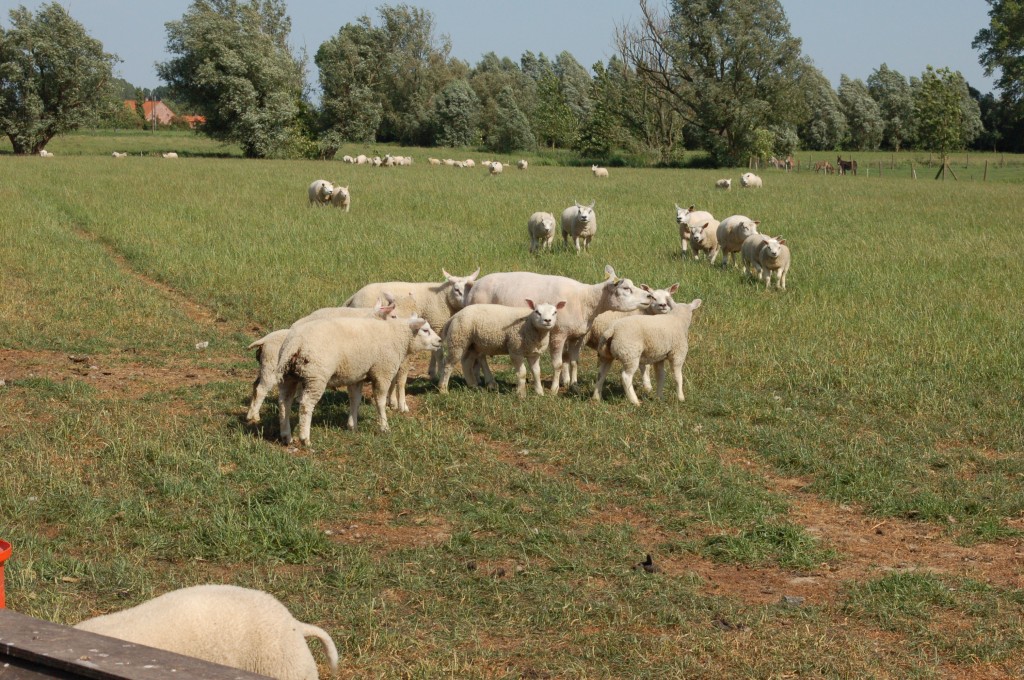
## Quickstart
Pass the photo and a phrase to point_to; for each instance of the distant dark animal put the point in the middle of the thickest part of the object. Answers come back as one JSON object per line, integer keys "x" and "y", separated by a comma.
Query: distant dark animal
{"x": 846, "y": 166}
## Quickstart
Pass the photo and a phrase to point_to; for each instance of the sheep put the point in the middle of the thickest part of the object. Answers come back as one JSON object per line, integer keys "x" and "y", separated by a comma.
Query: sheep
{"x": 541, "y": 227}
{"x": 320, "y": 192}
{"x": 361, "y": 159}
{"x": 327, "y": 352}
{"x": 585, "y": 302}
{"x": 376, "y": 161}
{"x": 388, "y": 161}
{"x": 687, "y": 219}
{"x": 704, "y": 239}
{"x": 599, "y": 172}
{"x": 522, "y": 164}
{"x": 725, "y": 184}
{"x": 579, "y": 222}
{"x": 648, "y": 340}
{"x": 449, "y": 162}
{"x": 269, "y": 346}
{"x": 749, "y": 180}
{"x": 773, "y": 257}
{"x": 748, "y": 254}
{"x": 239, "y": 627}
{"x": 435, "y": 302}
{"x": 732, "y": 231}
{"x": 348, "y": 159}
{"x": 170, "y": 154}
{"x": 469, "y": 163}
{"x": 496, "y": 168}
{"x": 118, "y": 154}
{"x": 43, "y": 153}
{"x": 434, "y": 161}
{"x": 340, "y": 198}
{"x": 487, "y": 330}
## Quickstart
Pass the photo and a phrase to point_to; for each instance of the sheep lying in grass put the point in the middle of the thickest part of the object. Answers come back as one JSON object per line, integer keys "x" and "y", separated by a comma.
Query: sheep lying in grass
{"x": 332, "y": 352}
{"x": 732, "y": 232}
{"x": 480, "y": 331}
{"x": 724, "y": 184}
{"x": 653, "y": 340}
{"x": 341, "y": 198}
{"x": 541, "y": 227}
{"x": 320, "y": 191}
{"x": 43, "y": 153}
{"x": 687, "y": 219}
{"x": 170, "y": 154}
{"x": 579, "y": 222}
{"x": 749, "y": 180}
{"x": 773, "y": 257}
{"x": 599, "y": 172}
{"x": 522, "y": 164}
{"x": 120, "y": 154}
{"x": 704, "y": 239}
{"x": 238, "y": 627}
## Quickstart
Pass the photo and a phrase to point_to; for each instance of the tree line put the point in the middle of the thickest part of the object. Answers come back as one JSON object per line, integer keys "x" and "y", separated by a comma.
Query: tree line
{"x": 723, "y": 76}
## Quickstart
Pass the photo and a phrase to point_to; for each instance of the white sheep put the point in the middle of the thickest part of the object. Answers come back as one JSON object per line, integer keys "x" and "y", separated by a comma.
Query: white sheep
{"x": 704, "y": 239}
{"x": 648, "y": 340}
{"x": 585, "y": 302}
{"x": 434, "y": 161}
{"x": 268, "y": 349}
{"x": 43, "y": 153}
{"x": 376, "y": 161}
{"x": 773, "y": 257}
{"x": 687, "y": 219}
{"x": 579, "y": 222}
{"x": 170, "y": 154}
{"x": 320, "y": 191}
{"x": 496, "y": 168}
{"x": 435, "y": 302}
{"x": 749, "y": 180}
{"x": 348, "y": 159}
{"x": 340, "y": 198}
{"x": 541, "y": 227}
{"x": 724, "y": 184}
{"x": 469, "y": 163}
{"x": 599, "y": 172}
{"x": 239, "y": 627}
{"x": 522, "y": 164}
{"x": 748, "y": 254}
{"x": 449, "y": 162}
{"x": 331, "y": 352}
{"x": 361, "y": 159}
{"x": 732, "y": 232}
{"x": 480, "y": 331}
{"x": 118, "y": 154}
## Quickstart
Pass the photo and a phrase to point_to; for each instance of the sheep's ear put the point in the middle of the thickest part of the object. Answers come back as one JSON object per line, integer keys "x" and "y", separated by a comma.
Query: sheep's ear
{"x": 677, "y": 206}
{"x": 416, "y": 324}
{"x": 609, "y": 273}
{"x": 561, "y": 304}
{"x": 447, "y": 276}
{"x": 781, "y": 241}
{"x": 472, "y": 277}
{"x": 691, "y": 208}
{"x": 383, "y": 312}
{"x": 673, "y": 288}
{"x": 592, "y": 204}
{"x": 695, "y": 304}
{"x": 705, "y": 225}
{"x": 757, "y": 223}
{"x": 389, "y": 298}
{"x": 645, "y": 287}
{"x": 530, "y": 304}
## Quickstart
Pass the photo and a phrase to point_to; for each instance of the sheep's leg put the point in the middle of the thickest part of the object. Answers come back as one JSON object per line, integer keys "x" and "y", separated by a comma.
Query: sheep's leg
{"x": 575, "y": 346}
{"x": 519, "y": 364}
{"x": 469, "y": 367}
{"x": 660, "y": 368}
{"x": 602, "y": 373}
{"x": 677, "y": 370}
{"x": 311, "y": 394}
{"x": 436, "y": 357}
{"x": 557, "y": 345}
{"x": 380, "y": 396}
{"x": 396, "y": 393}
{"x": 446, "y": 372}
{"x": 534, "y": 362}
{"x": 485, "y": 370}
{"x": 260, "y": 389}
{"x": 646, "y": 377}
{"x": 355, "y": 396}
{"x": 628, "y": 371}
{"x": 285, "y": 396}
{"x": 782, "y": 277}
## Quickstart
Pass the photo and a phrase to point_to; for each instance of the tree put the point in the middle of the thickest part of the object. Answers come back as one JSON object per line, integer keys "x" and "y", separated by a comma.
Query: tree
{"x": 53, "y": 77}
{"x": 862, "y": 114}
{"x": 455, "y": 115}
{"x": 349, "y": 70}
{"x": 727, "y": 67}
{"x": 234, "y": 66}
{"x": 512, "y": 127}
{"x": 1002, "y": 47}
{"x": 489, "y": 78}
{"x": 895, "y": 99}
{"x": 948, "y": 118}
{"x": 825, "y": 126}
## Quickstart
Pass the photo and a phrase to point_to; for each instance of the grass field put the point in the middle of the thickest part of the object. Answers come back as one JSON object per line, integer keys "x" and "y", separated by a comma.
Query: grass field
{"x": 841, "y": 495}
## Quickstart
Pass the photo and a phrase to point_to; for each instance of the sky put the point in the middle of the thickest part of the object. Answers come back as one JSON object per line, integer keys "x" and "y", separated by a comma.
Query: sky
{"x": 851, "y": 37}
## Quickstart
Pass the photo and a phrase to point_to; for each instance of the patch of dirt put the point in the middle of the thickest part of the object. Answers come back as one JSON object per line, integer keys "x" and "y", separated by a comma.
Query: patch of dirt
{"x": 385, "y": 531}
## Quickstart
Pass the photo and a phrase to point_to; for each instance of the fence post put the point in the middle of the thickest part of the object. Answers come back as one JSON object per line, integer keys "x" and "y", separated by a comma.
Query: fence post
{"x": 985, "y": 176}
{"x": 913, "y": 171}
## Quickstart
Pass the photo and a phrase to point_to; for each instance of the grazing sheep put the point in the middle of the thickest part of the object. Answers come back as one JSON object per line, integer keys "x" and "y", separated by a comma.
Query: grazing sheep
{"x": 484, "y": 330}
{"x": 687, "y": 219}
{"x": 118, "y": 154}
{"x": 579, "y": 222}
{"x": 599, "y": 172}
{"x": 724, "y": 184}
{"x": 340, "y": 198}
{"x": 541, "y": 227}
{"x": 732, "y": 232}
{"x": 704, "y": 239}
{"x": 649, "y": 340}
{"x": 585, "y": 302}
{"x": 522, "y": 164}
{"x": 748, "y": 253}
{"x": 269, "y": 347}
{"x": 496, "y": 168}
{"x": 239, "y": 627}
{"x": 348, "y": 159}
{"x": 434, "y": 161}
{"x": 331, "y": 352}
{"x": 435, "y": 302}
{"x": 773, "y": 257}
{"x": 376, "y": 161}
{"x": 170, "y": 154}
{"x": 469, "y": 163}
{"x": 361, "y": 159}
{"x": 749, "y": 180}
{"x": 320, "y": 191}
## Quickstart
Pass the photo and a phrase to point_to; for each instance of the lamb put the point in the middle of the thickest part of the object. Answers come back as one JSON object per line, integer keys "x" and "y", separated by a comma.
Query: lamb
{"x": 487, "y": 330}
{"x": 239, "y": 627}
{"x": 748, "y": 253}
{"x": 704, "y": 239}
{"x": 541, "y": 227}
{"x": 579, "y": 222}
{"x": 724, "y": 184}
{"x": 435, "y": 302}
{"x": 320, "y": 191}
{"x": 749, "y": 180}
{"x": 687, "y": 219}
{"x": 637, "y": 340}
{"x": 340, "y": 198}
{"x": 269, "y": 347}
{"x": 170, "y": 154}
{"x": 732, "y": 231}
{"x": 773, "y": 257}
{"x": 329, "y": 352}
{"x": 585, "y": 302}
{"x": 522, "y": 164}
{"x": 599, "y": 172}
{"x": 496, "y": 168}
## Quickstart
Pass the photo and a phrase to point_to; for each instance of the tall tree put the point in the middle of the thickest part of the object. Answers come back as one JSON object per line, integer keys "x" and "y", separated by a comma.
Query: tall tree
{"x": 862, "y": 114}
{"x": 234, "y": 66}
{"x": 53, "y": 76}
{"x": 455, "y": 115}
{"x": 728, "y": 67}
{"x": 489, "y": 78}
{"x": 947, "y": 121}
{"x": 891, "y": 91}
{"x": 824, "y": 127}
{"x": 1002, "y": 46}
{"x": 350, "y": 80}
{"x": 512, "y": 128}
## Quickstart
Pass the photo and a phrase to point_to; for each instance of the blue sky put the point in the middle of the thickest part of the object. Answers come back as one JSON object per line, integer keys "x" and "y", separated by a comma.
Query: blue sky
{"x": 852, "y": 37}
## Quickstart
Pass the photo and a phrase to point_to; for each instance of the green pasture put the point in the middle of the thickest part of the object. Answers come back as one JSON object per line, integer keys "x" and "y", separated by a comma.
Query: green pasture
{"x": 490, "y": 536}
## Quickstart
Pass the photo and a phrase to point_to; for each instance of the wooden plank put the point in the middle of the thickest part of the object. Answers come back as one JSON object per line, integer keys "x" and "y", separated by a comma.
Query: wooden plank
{"x": 30, "y": 645}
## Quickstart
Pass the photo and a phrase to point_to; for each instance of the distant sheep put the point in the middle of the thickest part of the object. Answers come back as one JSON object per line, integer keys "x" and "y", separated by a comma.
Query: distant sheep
{"x": 320, "y": 192}
{"x": 541, "y": 227}
{"x": 469, "y": 163}
{"x": 496, "y": 168}
{"x": 170, "y": 154}
{"x": 579, "y": 223}
{"x": 749, "y": 180}
{"x": 43, "y": 153}
{"x": 724, "y": 184}
{"x": 599, "y": 172}
{"x": 361, "y": 159}
{"x": 732, "y": 232}
{"x": 522, "y": 164}
{"x": 348, "y": 159}
{"x": 117, "y": 154}
{"x": 238, "y": 627}
{"x": 434, "y": 161}
{"x": 341, "y": 198}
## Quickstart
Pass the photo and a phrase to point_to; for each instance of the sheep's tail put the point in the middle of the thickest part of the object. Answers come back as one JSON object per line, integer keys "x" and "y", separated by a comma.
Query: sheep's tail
{"x": 320, "y": 634}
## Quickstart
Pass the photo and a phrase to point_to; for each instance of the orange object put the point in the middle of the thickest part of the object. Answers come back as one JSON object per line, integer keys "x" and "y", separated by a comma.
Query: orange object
{"x": 5, "y": 552}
